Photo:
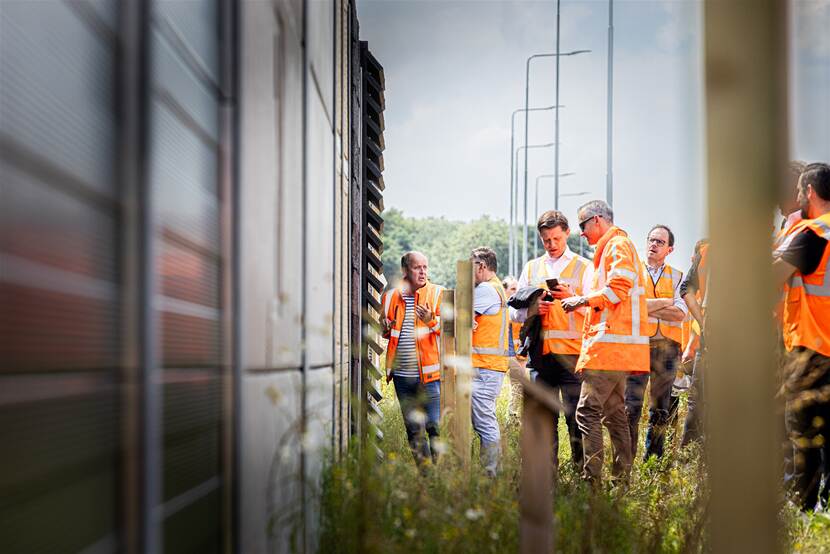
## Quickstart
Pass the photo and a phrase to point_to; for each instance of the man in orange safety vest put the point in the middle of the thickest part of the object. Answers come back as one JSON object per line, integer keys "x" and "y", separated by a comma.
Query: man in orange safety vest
{"x": 615, "y": 341}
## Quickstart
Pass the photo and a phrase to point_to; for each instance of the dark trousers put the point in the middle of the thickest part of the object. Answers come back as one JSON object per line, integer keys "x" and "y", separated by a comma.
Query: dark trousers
{"x": 807, "y": 389}
{"x": 602, "y": 402}
{"x": 421, "y": 409}
{"x": 664, "y": 354}
{"x": 693, "y": 426}
{"x": 557, "y": 372}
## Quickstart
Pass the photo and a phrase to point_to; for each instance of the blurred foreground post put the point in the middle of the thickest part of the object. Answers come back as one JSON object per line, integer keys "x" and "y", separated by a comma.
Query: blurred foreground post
{"x": 461, "y": 421}
{"x": 539, "y": 403}
{"x": 746, "y": 139}
{"x": 447, "y": 354}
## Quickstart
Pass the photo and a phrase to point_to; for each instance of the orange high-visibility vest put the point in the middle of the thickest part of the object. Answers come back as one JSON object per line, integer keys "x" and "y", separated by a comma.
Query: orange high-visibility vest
{"x": 807, "y": 305}
{"x": 490, "y": 336}
{"x": 614, "y": 337}
{"x": 561, "y": 332}
{"x": 394, "y": 309}
{"x": 780, "y": 240}
{"x": 669, "y": 280}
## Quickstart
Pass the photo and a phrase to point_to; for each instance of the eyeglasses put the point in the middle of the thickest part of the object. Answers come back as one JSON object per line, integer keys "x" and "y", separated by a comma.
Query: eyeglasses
{"x": 658, "y": 242}
{"x": 584, "y": 222}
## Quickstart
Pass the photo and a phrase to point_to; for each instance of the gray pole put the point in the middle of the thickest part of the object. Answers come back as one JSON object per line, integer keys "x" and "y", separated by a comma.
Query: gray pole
{"x": 609, "y": 195}
{"x": 513, "y": 246}
{"x": 527, "y": 100}
{"x": 511, "y": 268}
{"x": 556, "y": 101}
{"x": 536, "y": 211}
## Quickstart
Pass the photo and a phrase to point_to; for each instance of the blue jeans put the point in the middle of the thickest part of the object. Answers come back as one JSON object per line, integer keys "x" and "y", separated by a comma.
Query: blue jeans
{"x": 421, "y": 410}
{"x": 486, "y": 387}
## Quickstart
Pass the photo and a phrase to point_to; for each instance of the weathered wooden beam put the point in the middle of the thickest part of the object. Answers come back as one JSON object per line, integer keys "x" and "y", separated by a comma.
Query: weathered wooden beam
{"x": 746, "y": 110}
{"x": 536, "y": 485}
{"x": 463, "y": 360}
{"x": 542, "y": 393}
{"x": 447, "y": 353}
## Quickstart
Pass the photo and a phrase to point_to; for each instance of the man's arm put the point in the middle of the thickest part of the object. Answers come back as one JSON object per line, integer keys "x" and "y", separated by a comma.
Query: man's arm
{"x": 669, "y": 313}
{"x": 674, "y": 310}
{"x": 621, "y": 277}
{"x": 657, "y": 304}
{"x": 782, "y": 271}
{"x": 694, "y": 307}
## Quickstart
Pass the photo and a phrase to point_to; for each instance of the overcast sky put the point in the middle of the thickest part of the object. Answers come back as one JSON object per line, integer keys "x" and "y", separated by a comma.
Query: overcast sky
{"x": 455, "y": 71}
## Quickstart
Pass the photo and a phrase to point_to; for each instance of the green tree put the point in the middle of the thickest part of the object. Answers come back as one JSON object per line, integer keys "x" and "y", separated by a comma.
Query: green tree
{"x": 445, "y": 242}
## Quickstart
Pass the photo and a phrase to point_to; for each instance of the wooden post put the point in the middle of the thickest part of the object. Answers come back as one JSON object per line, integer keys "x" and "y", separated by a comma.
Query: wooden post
{"x": 746, "y": 135}
{"x": 447, "y": 353}
{"x": 536, "y": 485}
{"x": 461, "y": 421}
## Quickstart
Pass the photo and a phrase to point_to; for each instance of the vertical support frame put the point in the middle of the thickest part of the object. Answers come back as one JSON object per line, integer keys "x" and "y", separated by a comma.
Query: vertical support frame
{"x": 746, "y": 136}
{"x": 229, "y": 22}
{"x": 464, "y": 365}
{"x": 131, "y": 108}
{"x": 447, "y": 353}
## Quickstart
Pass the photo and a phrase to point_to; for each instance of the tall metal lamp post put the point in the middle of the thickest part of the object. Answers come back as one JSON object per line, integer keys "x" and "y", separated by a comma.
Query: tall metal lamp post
{"x": 514, "y": 186}
{"x": 518, "y": 150}
{"x": 527, "y": 103}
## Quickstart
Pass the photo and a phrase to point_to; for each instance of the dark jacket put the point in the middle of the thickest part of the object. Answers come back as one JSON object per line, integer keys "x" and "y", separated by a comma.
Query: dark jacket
{"x": 530, "y": 335}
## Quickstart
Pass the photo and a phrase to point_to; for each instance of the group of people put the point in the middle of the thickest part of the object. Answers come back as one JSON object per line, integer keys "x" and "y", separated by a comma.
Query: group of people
{"x": 600, "y": 333}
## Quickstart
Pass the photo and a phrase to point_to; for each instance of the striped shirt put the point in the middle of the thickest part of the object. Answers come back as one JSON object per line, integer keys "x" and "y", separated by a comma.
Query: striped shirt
{"x": 406, "y": 356}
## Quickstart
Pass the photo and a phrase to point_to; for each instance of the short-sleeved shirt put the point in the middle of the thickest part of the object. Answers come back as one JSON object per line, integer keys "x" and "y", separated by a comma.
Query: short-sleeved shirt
{"x": 486, "y": 299}
{"x": 805, "y": 251}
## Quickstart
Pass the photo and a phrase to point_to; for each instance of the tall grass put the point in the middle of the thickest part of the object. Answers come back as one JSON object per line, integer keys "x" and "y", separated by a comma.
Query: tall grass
{"x": 394, "y": 508}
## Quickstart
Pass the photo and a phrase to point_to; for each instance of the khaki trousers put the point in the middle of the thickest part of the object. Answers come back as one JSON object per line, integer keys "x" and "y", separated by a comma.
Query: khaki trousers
{"x": 602, "y": 402}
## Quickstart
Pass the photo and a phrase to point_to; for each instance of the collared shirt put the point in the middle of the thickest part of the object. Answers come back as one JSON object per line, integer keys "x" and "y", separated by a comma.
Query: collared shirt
{"x": 553, "y": 267}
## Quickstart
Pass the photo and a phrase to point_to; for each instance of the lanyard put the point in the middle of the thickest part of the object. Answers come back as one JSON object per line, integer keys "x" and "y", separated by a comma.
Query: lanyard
{"x": 653, "y": 282}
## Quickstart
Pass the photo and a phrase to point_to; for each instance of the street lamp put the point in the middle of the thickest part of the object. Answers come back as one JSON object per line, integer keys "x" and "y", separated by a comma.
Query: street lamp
{"x": 519, "y": 149}
{"x": 556, "y": 131}
{"x": 536, "y": 201}
{"x": 514, "y": 185}
{"x": 609, "y": 177}
{"x": 557, "y": 55}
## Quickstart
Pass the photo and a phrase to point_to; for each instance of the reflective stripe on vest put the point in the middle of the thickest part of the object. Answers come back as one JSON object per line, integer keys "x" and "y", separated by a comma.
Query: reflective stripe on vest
{"x": 561, "y": 332}
{"x": 487, "y": 356}
{"x": 822, "y": 229}
{"x": 806, "y": 321}
{"x": 674, "y": 331}
{"x": 426, "y": 340}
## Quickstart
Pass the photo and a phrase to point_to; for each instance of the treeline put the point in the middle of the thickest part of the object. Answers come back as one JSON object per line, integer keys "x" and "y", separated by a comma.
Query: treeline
{"x": 444, "y": 242}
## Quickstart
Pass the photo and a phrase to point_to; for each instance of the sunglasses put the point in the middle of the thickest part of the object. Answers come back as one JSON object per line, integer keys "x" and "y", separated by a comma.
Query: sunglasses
{"x": 584, "y": 222}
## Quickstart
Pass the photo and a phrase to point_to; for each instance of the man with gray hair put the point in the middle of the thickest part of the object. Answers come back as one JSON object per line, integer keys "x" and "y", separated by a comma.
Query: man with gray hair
{"x": 614, "y": 340}
{"x": 411, "y": 323}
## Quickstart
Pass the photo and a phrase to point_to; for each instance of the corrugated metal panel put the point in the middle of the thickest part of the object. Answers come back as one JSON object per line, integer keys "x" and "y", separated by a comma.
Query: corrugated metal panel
{"x": 59, "y": 277}
{"x": 183, "y": 173}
